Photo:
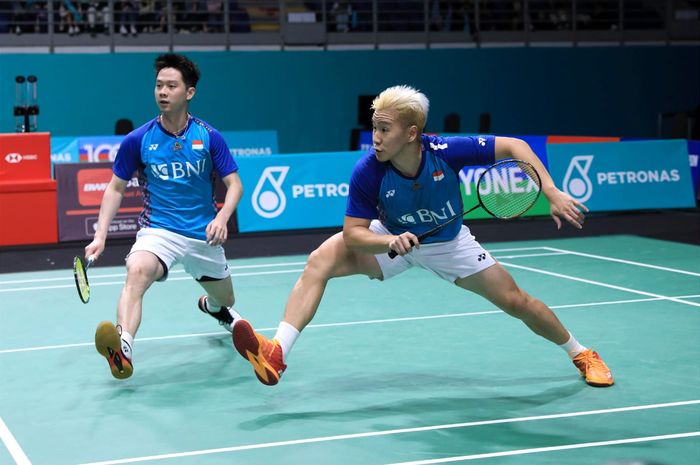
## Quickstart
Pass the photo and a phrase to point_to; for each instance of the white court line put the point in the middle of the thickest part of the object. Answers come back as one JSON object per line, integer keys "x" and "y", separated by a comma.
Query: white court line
{"x": 12, "y": 445}
{"x": 598, "y": 283}
{"x": 111, "y": 283}
{"x": 348, "y": 323}
{"x": 626, "y": 262}
{"x": 528, "y": 255}
{"x": 537, "y": 450}
{"x": 370, "y": 434}
{"x": 268, "y": 265}
{"x": 118, "y": 275}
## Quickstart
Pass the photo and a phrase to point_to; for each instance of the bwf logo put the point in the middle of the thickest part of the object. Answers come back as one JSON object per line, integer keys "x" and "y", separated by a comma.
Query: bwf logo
{"x": 268, "y": 199}
{"x": 577, "y": 183}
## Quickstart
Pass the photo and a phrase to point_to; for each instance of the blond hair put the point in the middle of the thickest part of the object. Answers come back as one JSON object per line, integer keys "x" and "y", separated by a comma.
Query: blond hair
{"x": 410, "y": 104}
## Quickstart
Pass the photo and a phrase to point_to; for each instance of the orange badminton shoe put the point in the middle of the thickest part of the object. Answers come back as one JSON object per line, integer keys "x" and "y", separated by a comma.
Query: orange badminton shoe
{"x": 593, "y": 369}
{"x": 264, "y": 354}
{"x": 108, "y": 342}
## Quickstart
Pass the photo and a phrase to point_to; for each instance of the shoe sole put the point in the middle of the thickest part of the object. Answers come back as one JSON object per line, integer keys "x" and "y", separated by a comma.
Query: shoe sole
{"x": 602, "y": 384}
{"x": 246, "y": 343}
{"x": 108, "y": 344}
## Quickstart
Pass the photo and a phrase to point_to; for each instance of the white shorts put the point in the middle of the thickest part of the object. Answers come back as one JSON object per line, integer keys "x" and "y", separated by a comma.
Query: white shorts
{"x": 199, "y": 258}
{"x": 461, "y": 257}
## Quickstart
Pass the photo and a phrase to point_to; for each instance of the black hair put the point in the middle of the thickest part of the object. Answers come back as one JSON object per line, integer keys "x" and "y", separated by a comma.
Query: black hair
{"x": 189, "y": 71}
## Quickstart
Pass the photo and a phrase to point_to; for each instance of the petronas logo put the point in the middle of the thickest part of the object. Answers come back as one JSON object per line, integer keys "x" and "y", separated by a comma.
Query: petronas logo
{"x": 268, "y": 198}
{"x": 576, "y": 181}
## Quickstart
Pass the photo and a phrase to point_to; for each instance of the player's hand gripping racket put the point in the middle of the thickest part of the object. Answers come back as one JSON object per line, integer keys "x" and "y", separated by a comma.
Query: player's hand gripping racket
{"x": 81, "y": 280}
{"x": 506, "y": 190}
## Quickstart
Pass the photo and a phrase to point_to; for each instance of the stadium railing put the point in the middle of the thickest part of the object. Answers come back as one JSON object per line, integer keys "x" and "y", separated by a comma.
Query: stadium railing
{"x": 116, "y": 25}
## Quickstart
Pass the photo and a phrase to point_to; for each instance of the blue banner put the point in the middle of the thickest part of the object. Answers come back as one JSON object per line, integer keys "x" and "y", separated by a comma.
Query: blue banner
{"x": 693, "y": 156}
{"x": 97, "y": 149}
{"x": 245, "y": 143}
{"x": 64, "y": 150}
{"x": 294, "y": 191}
{"x": 364, "y": 142}
{"x": 624, "y": 175}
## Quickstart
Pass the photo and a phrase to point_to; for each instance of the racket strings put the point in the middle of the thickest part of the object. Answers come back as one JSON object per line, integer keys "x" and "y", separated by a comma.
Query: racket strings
{"x": 81, "y": 279}
{"x": 509, "y": 188}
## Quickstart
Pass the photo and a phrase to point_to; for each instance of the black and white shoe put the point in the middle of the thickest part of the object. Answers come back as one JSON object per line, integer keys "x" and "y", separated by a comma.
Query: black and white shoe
{"x": 225, "y": 315}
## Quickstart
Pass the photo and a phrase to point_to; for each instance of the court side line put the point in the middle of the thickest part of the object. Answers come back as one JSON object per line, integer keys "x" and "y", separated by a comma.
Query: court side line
{"x": 598, "y": 283}
{"x": 537, "y": 450}
{"x": 627, "y": 262}
{"x": 369, "y": 434}
{"x": 346, "y": 323}
{"x": 111, "y": 283}
{"x": 117, "y": 275}
{"x": 528, "y": 255}
{"x": 12, "y": 445}
{"x": 268, "y": 265}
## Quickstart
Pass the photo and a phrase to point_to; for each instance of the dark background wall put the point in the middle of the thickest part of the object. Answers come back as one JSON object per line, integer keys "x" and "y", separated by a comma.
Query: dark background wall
{"x": 310, "y": 97}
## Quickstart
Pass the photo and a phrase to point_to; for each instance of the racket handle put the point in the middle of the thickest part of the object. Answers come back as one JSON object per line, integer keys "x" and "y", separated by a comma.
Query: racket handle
{"x": 392, "y": 254}
{"x": 90, "y": 259}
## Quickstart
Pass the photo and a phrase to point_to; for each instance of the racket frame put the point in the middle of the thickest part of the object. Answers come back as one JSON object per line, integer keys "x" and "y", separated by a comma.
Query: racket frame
{"x": 80, "y": 268}
{"x": 437, "y": 228}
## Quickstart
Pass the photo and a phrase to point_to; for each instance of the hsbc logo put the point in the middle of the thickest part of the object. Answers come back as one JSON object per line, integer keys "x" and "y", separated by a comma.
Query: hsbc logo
{"x": 14, "y": 158}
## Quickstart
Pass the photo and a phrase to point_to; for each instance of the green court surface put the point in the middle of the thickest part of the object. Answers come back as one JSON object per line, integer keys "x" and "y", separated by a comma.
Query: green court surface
{"x": 412, "y": 370}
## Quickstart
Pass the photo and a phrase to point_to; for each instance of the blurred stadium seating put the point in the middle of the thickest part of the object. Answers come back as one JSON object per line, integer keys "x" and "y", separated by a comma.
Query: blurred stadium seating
{"x": 328, "y": 23}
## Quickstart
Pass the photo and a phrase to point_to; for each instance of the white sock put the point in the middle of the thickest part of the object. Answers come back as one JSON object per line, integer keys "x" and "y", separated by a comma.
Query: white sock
{"x": 127, "y": 343}
{"x": 209, "y": 307}
{"x": 572, "y": 347}
{"x": 234, "y": 314}
{"x": 286, "y": 335}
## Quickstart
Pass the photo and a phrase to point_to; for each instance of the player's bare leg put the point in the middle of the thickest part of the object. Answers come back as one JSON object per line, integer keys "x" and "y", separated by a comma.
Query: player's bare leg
{"x": 115, "y": 342}
{"x": 331, "y": 260}
{"x": 218, "y": 301}
{"x": 498, "y": 286}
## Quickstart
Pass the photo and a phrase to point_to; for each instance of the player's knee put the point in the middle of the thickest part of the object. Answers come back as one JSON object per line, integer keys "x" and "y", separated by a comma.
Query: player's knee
{"x": 516, "y": 303}
{"x": 319, "y": 264}
{"x": 140, "y": 271}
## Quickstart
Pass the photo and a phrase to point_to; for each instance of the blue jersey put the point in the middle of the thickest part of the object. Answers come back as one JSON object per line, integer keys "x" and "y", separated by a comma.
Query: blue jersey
{"x": 419, "y": 203}
{"x": 176, "y": 174}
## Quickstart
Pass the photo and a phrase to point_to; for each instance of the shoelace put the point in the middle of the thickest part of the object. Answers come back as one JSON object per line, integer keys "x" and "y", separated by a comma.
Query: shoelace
{"x": 591, "y": 361}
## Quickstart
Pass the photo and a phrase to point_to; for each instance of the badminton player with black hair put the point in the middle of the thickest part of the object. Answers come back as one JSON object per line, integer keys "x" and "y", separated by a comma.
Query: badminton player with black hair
{"x": 393, "y": 189}
{"x": 176, "y": 156}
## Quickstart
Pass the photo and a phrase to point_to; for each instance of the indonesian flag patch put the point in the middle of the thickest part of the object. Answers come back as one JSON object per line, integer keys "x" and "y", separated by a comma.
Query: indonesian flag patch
{"x": 438, "y": 175}
{"x": 197, "y": 145}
